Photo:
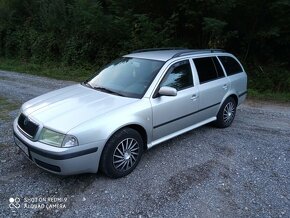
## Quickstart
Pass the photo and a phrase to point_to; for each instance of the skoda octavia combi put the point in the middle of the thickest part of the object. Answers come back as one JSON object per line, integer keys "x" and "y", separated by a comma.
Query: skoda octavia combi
{"x": 132, "y": 104}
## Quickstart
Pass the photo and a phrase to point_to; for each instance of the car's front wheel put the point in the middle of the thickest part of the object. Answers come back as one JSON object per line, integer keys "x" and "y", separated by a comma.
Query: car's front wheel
{"x": 122, "y": 153}
{"x": 227, "y": 113}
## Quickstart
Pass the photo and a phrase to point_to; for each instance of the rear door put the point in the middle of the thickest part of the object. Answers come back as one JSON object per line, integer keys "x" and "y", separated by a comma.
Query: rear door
{"x": 213, "y": 85}
{"x": 236, "y": 75}
{"x": 174, "y": 113}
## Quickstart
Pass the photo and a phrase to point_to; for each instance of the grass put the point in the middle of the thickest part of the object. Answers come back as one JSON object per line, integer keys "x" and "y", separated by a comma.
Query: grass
{"x": 269, "y": 95}
{"x": 52, "y": 70}
{"x": 6, "y": 107}
{"x": 63, "y": 72}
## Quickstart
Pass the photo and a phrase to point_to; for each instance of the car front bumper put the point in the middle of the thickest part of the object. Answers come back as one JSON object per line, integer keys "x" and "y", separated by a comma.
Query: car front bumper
{"x": 63, "y": 161}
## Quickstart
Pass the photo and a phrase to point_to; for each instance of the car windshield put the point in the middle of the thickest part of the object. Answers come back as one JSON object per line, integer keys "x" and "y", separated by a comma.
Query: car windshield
{"x": 129, "y": 77}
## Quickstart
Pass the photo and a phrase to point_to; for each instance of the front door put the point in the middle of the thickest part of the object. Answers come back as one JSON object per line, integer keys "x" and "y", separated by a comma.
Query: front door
{"x": 174, "y": 113}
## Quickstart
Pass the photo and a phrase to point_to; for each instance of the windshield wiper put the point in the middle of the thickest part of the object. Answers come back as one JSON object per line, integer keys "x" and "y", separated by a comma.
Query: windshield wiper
{"x": 87, "y": 84}
{"x": 103, "y": 89}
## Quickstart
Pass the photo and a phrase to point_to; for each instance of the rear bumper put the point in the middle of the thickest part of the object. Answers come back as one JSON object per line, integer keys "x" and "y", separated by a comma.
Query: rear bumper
{"x": 62, "y": 161}
{"x": 242, "y": 97}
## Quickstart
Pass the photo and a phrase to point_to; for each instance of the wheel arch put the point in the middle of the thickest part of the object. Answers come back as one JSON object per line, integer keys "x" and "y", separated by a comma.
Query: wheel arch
{"x": 140, "y": 129}
{"x": 235, "y": 97}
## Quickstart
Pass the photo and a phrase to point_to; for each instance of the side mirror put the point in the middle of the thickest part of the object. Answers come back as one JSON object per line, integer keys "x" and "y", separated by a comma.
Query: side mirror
{"x": 167, "y": 91}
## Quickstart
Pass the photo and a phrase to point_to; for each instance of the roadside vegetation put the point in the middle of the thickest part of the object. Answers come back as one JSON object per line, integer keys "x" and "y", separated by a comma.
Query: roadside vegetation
{"x": 71, "y": 39}
{"x": 6, "y": 107}
{"x": 55, "y": 70}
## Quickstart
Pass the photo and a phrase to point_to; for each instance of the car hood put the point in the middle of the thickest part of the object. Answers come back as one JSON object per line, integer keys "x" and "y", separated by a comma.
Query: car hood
{"x": 66, "y": 108}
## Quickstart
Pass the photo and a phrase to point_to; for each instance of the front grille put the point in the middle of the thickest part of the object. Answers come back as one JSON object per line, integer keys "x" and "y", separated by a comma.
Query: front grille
{"x": 29, "y": 127}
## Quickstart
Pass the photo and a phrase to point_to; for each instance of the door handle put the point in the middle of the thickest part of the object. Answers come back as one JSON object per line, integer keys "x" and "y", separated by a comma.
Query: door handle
{"x": 194, "y": 97}
{"x": 225, "y": 86}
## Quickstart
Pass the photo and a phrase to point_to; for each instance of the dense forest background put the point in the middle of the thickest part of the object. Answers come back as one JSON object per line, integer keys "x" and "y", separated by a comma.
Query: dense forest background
{"x": 82, "y": 33}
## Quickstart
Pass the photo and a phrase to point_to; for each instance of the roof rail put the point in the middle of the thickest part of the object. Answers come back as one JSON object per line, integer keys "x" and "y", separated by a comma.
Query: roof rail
{"x": 159, "y": 49}
{"x": 197, "y": 51}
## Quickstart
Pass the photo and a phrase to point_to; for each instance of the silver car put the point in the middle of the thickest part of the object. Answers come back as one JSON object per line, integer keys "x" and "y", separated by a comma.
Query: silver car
{"x": 132, "y": 104}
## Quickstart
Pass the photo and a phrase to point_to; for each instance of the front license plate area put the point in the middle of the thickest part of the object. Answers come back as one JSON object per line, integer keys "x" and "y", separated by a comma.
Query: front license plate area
{"x": 21, "y": 146}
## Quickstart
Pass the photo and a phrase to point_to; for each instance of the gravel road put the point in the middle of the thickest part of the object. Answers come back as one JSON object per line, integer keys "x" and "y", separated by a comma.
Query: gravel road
{"x": 241, "y": 171}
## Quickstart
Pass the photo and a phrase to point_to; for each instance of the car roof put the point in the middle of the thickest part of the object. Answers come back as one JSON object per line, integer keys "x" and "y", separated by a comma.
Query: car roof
{"x": 166, "y": 54}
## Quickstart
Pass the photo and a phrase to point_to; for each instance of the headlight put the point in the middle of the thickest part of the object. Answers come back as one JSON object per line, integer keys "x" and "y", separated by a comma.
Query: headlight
{"x": 51, "y": 137}
{"x": 70, "y": 141}
{"x": 57, "y": 139}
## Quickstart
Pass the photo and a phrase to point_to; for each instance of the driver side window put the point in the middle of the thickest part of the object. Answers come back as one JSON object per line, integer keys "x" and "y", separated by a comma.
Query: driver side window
{"x": 179, "y": 76}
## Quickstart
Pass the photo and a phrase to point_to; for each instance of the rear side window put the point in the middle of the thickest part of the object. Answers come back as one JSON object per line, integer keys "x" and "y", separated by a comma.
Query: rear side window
{"x": 179, "y": 76}
{"x": 208, "y": 69}
{"x": 231, "y": 65}
{"x": 218, "y": 67}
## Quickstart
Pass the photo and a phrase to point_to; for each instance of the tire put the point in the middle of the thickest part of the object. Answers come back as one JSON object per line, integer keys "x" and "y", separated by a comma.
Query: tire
{"x": 121, "y": 153}
{"x": 227, "y": 113}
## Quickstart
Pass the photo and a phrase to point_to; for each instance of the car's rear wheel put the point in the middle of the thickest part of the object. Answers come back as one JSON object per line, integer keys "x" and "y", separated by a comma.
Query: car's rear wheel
{"x": 122, "y": 153}
{"x": 226, "y": 113}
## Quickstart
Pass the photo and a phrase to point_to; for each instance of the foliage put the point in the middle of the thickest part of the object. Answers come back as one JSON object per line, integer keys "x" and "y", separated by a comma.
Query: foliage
{"x": 49, "y": 69}
{"x": 91, "y": 33}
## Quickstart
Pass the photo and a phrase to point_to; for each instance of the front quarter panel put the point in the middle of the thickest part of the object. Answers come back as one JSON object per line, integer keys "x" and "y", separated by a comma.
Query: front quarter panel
{"x": 103, "y": 127}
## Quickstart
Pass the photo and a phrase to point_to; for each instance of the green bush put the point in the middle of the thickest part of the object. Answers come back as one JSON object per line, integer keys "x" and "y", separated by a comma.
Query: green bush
{"x": 83, "y": 33}
{"x": 274, "y": 78}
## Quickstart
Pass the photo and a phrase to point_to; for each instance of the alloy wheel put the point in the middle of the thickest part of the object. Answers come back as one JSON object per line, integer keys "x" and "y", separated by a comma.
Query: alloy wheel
{"x": 229, "y": 112}
{"x": 125, "y": 154}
